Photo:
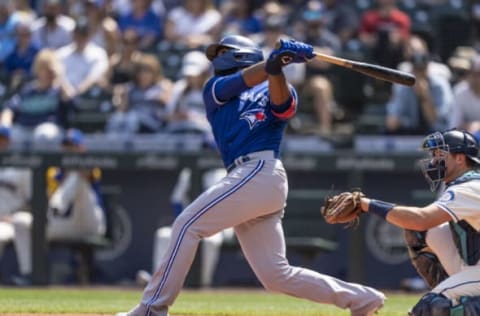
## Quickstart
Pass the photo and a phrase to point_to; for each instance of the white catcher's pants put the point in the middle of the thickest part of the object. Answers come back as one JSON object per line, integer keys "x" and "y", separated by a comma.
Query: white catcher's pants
{"x": 464, "y": 280}
{"x": 251, "y": 199}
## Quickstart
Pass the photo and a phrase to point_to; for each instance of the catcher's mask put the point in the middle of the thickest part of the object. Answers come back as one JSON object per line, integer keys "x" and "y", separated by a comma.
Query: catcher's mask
{"x": 438, "y": 145}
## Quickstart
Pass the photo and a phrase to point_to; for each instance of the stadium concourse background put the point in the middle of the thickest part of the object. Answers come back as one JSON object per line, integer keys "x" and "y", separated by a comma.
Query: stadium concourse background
{"x": 138, "y": 183}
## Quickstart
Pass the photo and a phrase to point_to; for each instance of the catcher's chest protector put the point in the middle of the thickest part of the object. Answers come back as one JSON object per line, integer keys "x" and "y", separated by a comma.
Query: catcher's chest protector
{"x": 467, "y": 241}
{"x": 466, "y": 237}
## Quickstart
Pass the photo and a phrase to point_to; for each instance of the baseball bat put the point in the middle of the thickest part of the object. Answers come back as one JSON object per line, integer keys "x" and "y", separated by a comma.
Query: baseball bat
{"x": 375, "y": 71}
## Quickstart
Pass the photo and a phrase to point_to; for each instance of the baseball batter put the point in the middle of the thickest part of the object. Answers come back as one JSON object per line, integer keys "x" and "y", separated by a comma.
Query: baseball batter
{"x": 248, "y": 103}
{"x": 443, "y": 237}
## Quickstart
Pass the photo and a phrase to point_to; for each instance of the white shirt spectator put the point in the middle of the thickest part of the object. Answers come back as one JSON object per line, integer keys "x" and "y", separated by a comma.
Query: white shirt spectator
{"x": 89, "y": 64}
{"x": 61, "y": 35}
{"x": 188, "y": 24}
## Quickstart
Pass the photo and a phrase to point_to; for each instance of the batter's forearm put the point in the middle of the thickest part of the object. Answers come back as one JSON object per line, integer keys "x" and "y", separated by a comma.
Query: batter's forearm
{"x": 278, "y": 87}
{"x": 255, "y": 74}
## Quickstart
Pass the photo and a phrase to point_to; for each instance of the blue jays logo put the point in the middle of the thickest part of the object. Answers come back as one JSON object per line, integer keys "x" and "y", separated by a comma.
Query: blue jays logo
{"x": 253, "y": 117}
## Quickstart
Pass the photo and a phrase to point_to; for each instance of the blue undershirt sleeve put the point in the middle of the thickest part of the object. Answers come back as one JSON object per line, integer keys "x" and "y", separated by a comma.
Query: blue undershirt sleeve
{"x": 228, "y": 87}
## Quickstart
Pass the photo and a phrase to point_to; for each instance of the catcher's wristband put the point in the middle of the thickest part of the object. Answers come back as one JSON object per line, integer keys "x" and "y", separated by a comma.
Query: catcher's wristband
{"x": 380, "y": 208}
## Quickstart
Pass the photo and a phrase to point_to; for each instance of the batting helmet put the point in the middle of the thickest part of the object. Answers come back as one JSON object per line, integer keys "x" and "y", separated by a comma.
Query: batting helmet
{"x": 450, "y": 141}
{"x": 242, "y": 52}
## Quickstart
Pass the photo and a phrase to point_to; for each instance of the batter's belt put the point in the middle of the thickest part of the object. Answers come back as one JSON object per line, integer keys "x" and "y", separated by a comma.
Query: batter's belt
{"x": 264, "y": 154}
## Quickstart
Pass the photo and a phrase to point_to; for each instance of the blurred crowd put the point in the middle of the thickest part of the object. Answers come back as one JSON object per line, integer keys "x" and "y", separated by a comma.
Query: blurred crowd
{"x": 136, "y": 66}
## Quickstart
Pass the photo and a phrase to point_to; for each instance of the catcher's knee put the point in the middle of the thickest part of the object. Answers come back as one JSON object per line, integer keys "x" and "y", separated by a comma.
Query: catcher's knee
{"x": 432, "y": 304}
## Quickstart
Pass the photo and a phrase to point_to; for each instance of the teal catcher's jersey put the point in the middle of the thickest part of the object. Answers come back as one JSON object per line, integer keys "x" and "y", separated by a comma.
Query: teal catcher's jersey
{"x": 242, "y": 118}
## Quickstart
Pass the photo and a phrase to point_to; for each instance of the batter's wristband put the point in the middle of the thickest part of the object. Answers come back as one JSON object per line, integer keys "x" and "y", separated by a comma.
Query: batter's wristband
{"x": 273, "y": 66}
{"x": 380, "y": 208}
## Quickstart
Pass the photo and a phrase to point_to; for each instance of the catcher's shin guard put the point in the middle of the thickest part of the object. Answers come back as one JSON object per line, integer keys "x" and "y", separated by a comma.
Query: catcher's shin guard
{"x": 432, "y": 304}
{"x": 425, "y": 262}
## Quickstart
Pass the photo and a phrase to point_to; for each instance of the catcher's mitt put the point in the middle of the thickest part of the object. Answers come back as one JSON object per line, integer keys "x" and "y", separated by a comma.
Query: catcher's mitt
{"x": 343, "y": 208}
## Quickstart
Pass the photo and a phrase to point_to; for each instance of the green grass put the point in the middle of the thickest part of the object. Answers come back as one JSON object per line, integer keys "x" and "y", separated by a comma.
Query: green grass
{"x": 195, "y": 303}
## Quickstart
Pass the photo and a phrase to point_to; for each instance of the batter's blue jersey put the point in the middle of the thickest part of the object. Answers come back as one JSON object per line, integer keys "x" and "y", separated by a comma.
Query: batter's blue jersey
{"x": 242, "y": 118}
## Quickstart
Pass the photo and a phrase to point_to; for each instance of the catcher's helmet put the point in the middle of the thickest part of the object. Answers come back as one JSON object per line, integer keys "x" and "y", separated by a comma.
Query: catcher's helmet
{"x": 242, "y": 52}
{"x": 439, "y": 145}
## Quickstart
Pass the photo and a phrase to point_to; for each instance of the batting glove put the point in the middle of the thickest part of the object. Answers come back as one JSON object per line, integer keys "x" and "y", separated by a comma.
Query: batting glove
{"x": 289, "y": 51}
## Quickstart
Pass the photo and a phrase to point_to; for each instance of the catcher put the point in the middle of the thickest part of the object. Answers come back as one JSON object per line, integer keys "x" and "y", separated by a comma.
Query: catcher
{"x": 443, "y": 238}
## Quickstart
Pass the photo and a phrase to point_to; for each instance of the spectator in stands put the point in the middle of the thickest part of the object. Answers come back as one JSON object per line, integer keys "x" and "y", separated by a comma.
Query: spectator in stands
{"x": 186, "y": 109}
{"x": 123, "y": 7}
{"x": 475, "y": 20}
{"x": 15, "y": 193}
{"x": 122, "y": 63}
{"x": 193, "y": 23}
{"x": 39, "y": 109}
{"x": 147, "y": 24}
{"x": 239, "y": 18}
{"x": 311, "y": 29}
{"x": 54, "y": 29}
{"x": 423, "y": 108}
{"x": 8, "y": 22}
{"x": 460, "y": 63}
{"x": 341, "y": 19}
{"x": 24, "y": 11}
{"x": 466, "y": 108}
{"x": 87, "y": 63}
{"x": 75, "y": 207}
{"x": 18, "y": 64}
{"x": 385, "y": 30}
{"x": 141, "y": 105}
{"x": 103, "y": 29}
{"x": 417, "y": 46}
{"x": 76, "y": 8}
{"x": 274, "y": 8}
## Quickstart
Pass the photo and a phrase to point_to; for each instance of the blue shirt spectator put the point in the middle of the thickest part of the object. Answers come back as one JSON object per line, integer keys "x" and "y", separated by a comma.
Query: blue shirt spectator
{"x": 7, "y": 30}
{"x": 21, "y": 59}
{"x": 240, "y": 18}
{"x": 144, "y": 21}
{"x": 423, "y": 108}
